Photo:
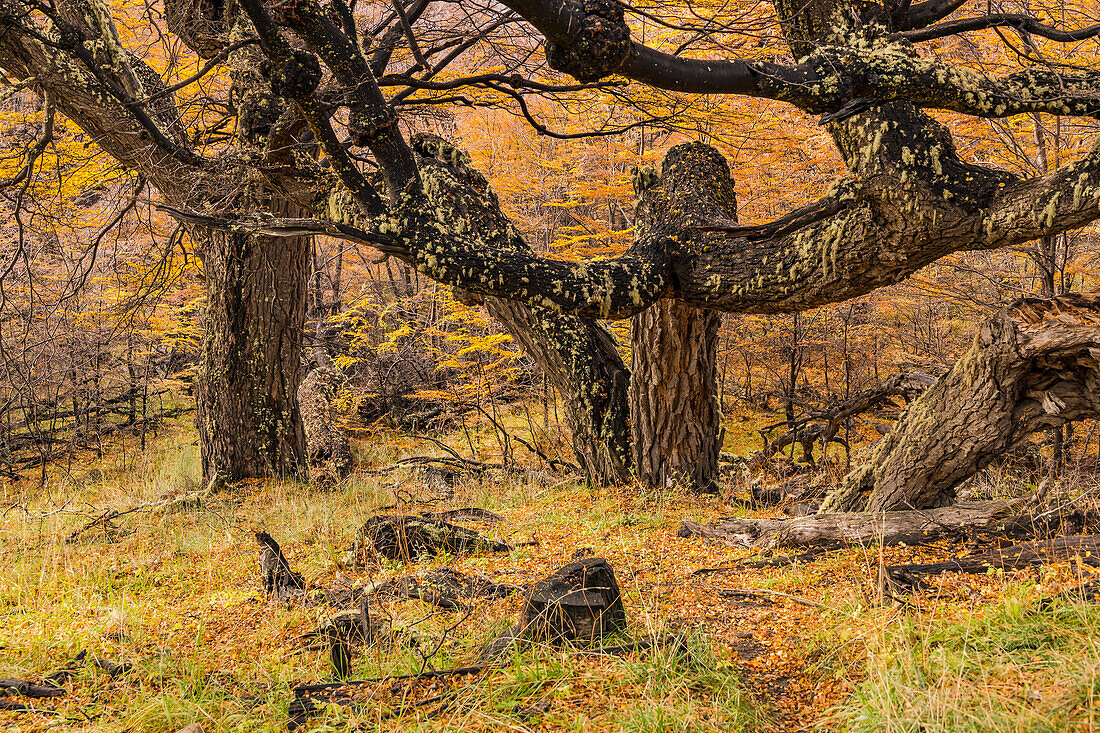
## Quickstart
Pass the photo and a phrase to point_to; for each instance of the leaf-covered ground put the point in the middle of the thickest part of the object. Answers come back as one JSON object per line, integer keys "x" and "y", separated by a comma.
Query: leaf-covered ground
{"x": 176, "y": 595}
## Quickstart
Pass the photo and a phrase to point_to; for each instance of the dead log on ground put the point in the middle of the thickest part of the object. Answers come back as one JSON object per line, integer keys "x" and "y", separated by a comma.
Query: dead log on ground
{"x": 17, "y": 707}
{"x": 581, "y": 601}
{"x": 445, "y": 588}
{"x": 912, "y": 527}
{"x": 469, "y": 514}
{"x": 1013, "y": 557}
{"x": 28, "y": 689}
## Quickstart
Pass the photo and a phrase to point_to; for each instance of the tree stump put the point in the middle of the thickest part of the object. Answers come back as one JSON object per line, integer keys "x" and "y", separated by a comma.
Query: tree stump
{"x": 410, "y": 538}
{"x": 327, "y": 448}
{"x": 581, "y": 602}
{"x": 275, "y": 573}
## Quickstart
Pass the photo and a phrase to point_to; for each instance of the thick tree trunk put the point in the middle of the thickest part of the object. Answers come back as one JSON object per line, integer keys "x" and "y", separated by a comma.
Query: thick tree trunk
{"x": 248, "y": 417}
{"x": 580, "y": 359}
{"x": 1033, "y": 367}
{"x": 674, "y": 410}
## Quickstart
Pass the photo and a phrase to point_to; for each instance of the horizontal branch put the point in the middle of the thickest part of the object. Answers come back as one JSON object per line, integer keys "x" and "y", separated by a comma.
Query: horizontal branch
{"x": 592, "y": 41}
{"x": 263, "y": 225}
{"x": 1022, "y": 23}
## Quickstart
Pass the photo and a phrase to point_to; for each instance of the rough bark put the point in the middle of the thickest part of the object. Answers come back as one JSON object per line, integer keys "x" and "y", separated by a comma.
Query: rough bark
{"x": 858, "y": 528}
{"x": 248, "y": 417}
{"x": 276, "y": 576}
{"x": 1034, "y": 366}
{"x": 578, "y": 355}
{"x": 327, "y": 450}
{"x": 580, "y": 602}
{"x": 410, "y": 538}
{"x": 674, "y": 409}
{"x": 247, "y": 413}
{"x": 580, "y": 359}
{"x": 907, "y": 200}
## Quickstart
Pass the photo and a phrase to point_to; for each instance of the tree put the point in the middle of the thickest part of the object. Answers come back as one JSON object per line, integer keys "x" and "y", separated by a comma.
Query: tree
{"x": 309, "y": 80}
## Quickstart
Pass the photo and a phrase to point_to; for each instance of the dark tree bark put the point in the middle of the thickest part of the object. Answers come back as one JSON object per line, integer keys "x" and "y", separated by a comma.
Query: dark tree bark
{"x": 247, "y": 412}
{"x": 581, "y": 360}
{"x": 674, "y": 410}
{"x": 248, "y": 416}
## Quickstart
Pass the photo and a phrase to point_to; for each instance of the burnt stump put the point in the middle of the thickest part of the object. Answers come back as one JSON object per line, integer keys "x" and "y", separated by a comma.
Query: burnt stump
{"x": 579, "y": 602}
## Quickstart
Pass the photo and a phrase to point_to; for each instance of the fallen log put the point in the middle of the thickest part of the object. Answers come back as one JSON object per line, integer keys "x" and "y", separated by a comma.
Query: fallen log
{"x": 1033, "y": 367}
{"x": 780, "y": 561}
{"x": 166, "y": 504}
{"x": 888, "y": 528}
{"x": 469, "y": 514}
{"x": 28, "y": 689}
{"x": 1013, "y": 557}
{"x": 18, "y": 707}
{"x": 444, "y": 588}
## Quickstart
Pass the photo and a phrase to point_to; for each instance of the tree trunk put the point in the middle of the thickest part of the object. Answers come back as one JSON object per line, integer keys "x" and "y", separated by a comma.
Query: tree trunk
{"x": 578, "y": 355}
{"x": 580, "y": 359}
{"x": 247, "y": 407}
{"x": 1034, "y": 366}
{"x": 674, "y": 409}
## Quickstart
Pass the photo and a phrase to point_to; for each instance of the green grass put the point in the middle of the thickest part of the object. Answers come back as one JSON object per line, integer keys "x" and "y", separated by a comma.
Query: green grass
{"x": 1015, "y": 666}
{"x": 176, "y": 594}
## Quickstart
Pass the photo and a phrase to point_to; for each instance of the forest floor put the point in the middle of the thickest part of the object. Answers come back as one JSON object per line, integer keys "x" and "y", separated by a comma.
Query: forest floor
{"x": 813, "y": 645}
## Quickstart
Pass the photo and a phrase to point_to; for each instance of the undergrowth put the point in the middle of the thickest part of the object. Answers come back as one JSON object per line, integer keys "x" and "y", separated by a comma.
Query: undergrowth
{"x": 1020, "y": 665}
{"x": 176, "y": 596}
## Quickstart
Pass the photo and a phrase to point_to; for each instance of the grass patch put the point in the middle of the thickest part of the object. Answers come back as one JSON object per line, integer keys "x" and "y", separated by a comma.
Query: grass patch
{"x": 176, "y": 595}
{"x": 1015, "y": 666}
